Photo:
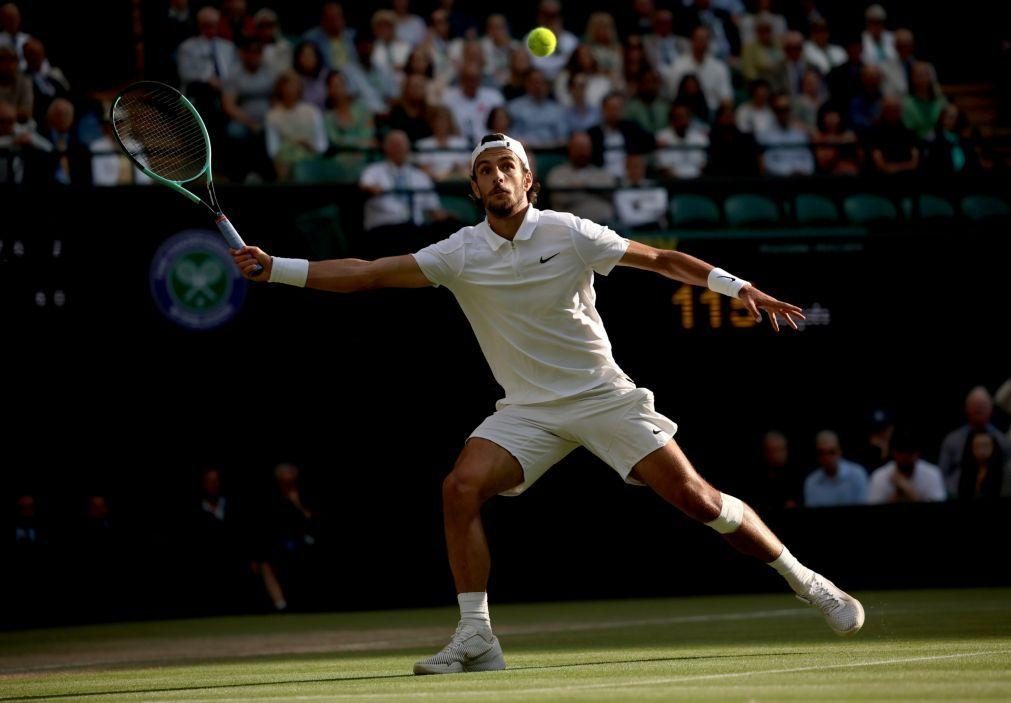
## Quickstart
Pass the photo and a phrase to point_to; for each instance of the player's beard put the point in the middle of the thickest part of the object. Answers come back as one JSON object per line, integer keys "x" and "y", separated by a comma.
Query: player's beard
{"x": 500, "y": 208}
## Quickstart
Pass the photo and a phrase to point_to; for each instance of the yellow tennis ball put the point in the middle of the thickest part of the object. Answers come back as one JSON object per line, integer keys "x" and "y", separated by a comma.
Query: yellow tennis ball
{"x": 541, "y": 41}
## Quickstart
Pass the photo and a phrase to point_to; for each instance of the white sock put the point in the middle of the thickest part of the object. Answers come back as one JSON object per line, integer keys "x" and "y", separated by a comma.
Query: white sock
{"x": 474, "y": 609}
{"x": 795, "y": 573}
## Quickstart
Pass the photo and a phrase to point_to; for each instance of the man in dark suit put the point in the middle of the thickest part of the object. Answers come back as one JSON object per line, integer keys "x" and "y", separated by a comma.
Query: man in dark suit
{"x": 616, "y": 137}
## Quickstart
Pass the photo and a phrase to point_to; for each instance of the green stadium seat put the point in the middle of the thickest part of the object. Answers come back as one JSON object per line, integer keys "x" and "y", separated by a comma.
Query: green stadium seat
{"x": 462, "y": 208}
{"x": 984, "y": 207}
{"x": 867, "y": 209}
{"x": 927, "y": 207}
{"x": 813, "y": 209}
{"x": 344, "y": 168}
{"x": 750, "y": 211}
{"x": 689, "y": 210}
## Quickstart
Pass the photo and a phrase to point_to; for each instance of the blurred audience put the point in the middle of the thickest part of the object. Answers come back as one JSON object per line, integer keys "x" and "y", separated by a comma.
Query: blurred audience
{"x": 836, "y": 481}
{"x": 578, "y": 172}
{"x": 391, "y": 184}
{"x": 294, "y": 128}
{"x": 907, "y": 478}
{"x": 954, "y": 448}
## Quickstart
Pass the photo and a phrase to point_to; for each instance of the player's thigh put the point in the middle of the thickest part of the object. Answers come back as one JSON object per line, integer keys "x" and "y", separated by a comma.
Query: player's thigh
{"x": 531, "y": 437}
{"x": 669, "y": 472}
{"x": 620, "y": 427}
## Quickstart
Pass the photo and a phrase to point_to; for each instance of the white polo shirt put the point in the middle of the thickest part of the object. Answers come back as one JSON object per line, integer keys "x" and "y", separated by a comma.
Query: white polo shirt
{"x": 531, "y": 302}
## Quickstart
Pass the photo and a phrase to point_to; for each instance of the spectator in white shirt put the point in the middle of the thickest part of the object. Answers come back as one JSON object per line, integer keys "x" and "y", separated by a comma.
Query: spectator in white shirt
{"x": 786, "y": 143}
{"x": 819, "y": 52}
{"x": 906, "y": 479}
{"x": 681, "y": 147}
{"x": 444, "y": 155}
{"x": 639, "y": 202}
{"x": 878, "y": 42}
{"x": 470, "y": 103}
{"x": 410, "y": 28}
{"x": 763, "y": 12}
{"x": 755, "y": 115}
{"x": 10, "y": 31}
{"x": 713, "y": 74}
{"x": 206, "y": 59}
{"x": 389, "y": 54}
{"x": 400, "y": 207}
{"x": 662, "y": 46}
{"x": 277, "y": 51}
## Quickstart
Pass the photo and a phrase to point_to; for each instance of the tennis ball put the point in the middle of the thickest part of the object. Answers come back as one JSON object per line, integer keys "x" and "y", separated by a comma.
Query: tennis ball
{"x": 542, "y": 41}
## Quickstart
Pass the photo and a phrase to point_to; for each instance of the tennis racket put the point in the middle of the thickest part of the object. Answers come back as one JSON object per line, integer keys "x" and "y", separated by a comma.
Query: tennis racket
{"x": 161, "y": 132}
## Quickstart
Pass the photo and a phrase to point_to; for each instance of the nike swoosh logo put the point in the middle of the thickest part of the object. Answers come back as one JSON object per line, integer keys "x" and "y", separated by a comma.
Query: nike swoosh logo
{"x": 544, "y": 261}
{"x": 729, "y": 278}
{"x": 657, "y": 431}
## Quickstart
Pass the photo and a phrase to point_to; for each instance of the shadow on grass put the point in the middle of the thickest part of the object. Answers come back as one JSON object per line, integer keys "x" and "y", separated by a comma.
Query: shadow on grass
{"x": 340, "y": 679}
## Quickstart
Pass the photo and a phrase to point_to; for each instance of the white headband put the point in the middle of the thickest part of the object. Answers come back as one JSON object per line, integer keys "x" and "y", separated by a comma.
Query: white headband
{"x": 506, "y": 143}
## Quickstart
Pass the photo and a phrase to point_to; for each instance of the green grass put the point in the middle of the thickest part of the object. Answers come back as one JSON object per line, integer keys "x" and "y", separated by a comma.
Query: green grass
{"x": 916, "y": 646}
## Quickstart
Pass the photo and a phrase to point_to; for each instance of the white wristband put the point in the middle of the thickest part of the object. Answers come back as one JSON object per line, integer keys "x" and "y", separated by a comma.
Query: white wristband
{"x": 722, "y": 282}
{"x": 292, "y": 272}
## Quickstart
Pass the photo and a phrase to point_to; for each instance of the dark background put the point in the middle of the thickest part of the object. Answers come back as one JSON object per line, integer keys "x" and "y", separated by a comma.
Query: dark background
{"x": 373, "y": 395}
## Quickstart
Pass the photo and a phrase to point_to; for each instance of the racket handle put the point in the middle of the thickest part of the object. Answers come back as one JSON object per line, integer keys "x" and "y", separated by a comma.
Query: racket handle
{"x": 233, "y": 239}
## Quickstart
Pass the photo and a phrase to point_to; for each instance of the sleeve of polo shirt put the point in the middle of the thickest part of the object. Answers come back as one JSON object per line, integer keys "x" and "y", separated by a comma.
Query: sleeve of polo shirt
{"x": 442, "y": 262}
{"x": 600, "y": 247}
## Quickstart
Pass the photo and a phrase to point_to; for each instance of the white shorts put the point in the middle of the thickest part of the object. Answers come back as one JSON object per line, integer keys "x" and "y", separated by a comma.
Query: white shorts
{"x": 618, "y": 425}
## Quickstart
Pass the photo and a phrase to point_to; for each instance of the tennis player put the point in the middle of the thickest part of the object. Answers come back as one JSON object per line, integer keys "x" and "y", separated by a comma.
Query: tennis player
{"x": 524, "y": 279}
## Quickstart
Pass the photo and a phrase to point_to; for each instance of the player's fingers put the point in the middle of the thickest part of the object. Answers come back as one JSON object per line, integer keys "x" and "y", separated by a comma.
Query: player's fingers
{"x": 754, "y": 309}
{"x": 774, "y": 320}
{"x": 789, "y": 318}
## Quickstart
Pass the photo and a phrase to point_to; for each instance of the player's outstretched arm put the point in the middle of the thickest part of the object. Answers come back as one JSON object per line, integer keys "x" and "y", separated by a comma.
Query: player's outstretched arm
{"x": 682, "y": 267}
{"x": 336, "y": 275}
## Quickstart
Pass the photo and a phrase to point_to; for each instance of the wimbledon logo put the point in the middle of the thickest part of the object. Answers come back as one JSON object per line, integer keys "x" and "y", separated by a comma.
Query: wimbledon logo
{"x": 194, "y": 281}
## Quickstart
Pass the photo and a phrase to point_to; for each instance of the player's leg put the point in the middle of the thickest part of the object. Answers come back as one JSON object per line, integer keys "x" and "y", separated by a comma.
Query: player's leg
{"x": 505, "y": 454}
{"x": 483, "y": 470}
{"x": 668, "y": 472}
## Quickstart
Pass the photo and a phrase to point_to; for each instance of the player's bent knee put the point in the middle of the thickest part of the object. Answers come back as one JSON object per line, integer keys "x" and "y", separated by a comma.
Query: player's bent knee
{"x": 731, "y": 515}
{"x": 456, "y": 489}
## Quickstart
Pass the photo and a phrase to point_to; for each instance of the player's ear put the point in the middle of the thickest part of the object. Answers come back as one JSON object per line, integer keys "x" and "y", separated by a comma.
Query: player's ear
{"x": 528, "y": 179}
{"x": 474, "y": 189}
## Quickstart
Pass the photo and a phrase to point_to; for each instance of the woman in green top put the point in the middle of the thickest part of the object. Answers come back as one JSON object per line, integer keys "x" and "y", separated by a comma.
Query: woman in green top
{"x": 922, "y": 107}
{"x": 348, "y": 122}
{"x": 349, "y": 126}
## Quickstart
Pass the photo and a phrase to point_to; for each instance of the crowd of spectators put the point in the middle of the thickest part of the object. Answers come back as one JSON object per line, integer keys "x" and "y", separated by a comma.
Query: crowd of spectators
{"x": 973, "y": 463}
{"x": 693, "y": 87}
{"x": 244, "y": 549}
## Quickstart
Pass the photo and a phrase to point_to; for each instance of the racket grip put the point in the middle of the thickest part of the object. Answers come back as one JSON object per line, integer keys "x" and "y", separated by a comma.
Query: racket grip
{"x": 233, "y": 239}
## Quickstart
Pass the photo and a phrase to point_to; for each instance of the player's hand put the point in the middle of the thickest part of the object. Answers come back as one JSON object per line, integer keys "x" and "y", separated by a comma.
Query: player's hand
{"x": 756, "y": 300}
{"x": 247, "y": 258}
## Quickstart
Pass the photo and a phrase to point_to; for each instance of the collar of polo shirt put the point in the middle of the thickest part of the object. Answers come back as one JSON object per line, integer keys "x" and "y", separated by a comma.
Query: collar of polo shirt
{"x": 525, "y": 231}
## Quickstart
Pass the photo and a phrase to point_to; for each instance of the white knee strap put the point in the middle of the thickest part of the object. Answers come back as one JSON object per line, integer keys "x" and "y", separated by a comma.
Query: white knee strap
{"x": 731, "y": 515}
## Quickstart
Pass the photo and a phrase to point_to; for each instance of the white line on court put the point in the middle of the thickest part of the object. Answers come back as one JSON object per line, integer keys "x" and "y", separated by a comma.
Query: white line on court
{"x": 624, "y": 684}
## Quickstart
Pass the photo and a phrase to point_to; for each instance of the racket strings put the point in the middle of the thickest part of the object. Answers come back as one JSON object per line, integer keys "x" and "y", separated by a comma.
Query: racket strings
{"x": 157, "y": 129}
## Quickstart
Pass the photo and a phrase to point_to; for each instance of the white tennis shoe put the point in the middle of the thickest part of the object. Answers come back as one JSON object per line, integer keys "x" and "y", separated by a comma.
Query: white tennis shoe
{"x": 471, "y": 649}
{"x": 843, "y": 613}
